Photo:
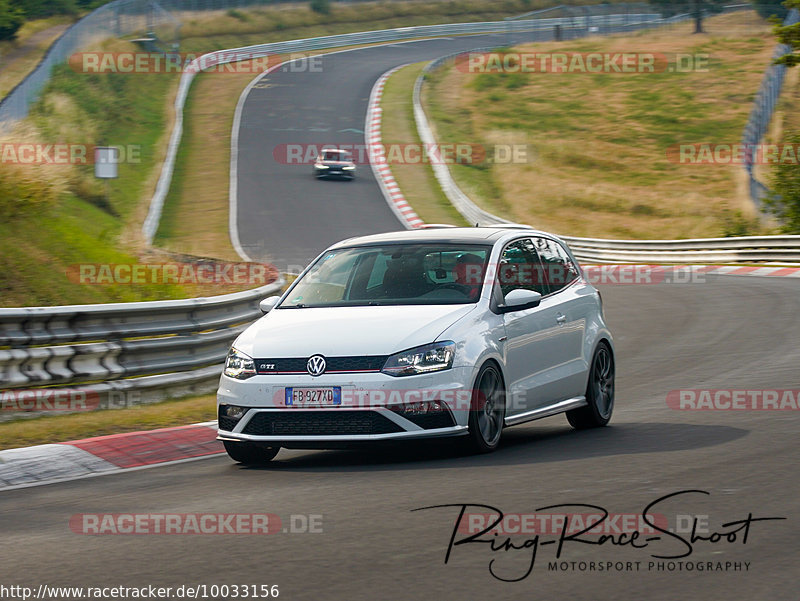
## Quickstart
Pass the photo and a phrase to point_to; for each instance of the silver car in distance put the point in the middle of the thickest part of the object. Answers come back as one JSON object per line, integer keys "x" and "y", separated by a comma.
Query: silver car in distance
{"x": 334, "y": 163}
{"x": 446, "y": 332}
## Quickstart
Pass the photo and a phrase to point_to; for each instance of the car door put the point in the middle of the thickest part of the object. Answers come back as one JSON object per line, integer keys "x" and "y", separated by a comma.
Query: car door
{"x": 537, "y": 343}
{"x": 572, "y": 301}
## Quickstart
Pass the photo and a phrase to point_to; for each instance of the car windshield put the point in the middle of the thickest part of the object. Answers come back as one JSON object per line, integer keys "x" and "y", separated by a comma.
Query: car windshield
{"x": 335, "y": 155}
{"x": 400, "y": 274}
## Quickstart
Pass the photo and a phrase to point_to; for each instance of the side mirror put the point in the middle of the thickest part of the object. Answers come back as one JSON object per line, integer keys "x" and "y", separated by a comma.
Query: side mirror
{"x": 268, "y": 304}
{"x": 520, "y": 299}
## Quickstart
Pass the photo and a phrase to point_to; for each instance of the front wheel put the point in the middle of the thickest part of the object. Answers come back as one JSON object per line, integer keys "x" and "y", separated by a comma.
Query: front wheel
{"x": 487, "y": 411}
{"x": 599, "y": 392}
{"x": 249, "y": 453}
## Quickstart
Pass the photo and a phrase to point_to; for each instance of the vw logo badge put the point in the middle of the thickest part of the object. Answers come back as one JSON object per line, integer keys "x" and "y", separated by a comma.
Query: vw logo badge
{"x": 316, "y": 365}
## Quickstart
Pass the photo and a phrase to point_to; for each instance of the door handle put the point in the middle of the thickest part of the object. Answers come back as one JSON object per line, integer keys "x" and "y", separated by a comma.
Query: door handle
{"x": 561, "y": 318}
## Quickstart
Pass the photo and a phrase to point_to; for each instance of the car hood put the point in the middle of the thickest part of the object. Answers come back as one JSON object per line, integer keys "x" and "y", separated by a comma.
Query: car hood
{"x": 347, "y": 331}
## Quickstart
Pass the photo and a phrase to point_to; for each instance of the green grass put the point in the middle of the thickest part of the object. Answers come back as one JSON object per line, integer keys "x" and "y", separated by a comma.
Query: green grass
{"x": 174, "y": 205}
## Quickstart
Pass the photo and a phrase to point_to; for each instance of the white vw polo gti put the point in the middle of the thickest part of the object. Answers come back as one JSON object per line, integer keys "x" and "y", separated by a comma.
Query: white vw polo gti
{"x": 448, "y": 332}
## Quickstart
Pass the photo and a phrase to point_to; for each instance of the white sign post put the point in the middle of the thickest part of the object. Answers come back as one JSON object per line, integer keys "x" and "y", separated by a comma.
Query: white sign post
{"x": 106, "y": 159}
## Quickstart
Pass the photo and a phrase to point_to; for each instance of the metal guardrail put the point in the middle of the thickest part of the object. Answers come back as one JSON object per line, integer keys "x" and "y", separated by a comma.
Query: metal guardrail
{"x": 123, "y": 352}
{"x": 746, "y": 249}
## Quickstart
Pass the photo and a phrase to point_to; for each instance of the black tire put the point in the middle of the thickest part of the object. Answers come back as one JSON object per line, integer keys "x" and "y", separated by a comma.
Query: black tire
{"x": 599, "y": 392}
{"x": 249, "y": 453}
{"x": 488, "y": 410}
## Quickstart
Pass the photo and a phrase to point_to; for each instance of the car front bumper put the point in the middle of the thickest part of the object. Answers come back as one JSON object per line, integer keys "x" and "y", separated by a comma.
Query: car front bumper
{"x": 334, "y": 172}
{"x": 374, "y": 407}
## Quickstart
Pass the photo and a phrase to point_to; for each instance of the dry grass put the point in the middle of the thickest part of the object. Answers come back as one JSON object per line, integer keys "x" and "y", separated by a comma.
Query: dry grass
{"x": 598, "y": 164}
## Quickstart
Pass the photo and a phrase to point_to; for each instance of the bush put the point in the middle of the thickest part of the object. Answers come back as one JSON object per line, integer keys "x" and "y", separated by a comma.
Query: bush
{"x": 321, "y": 6}
{"x": 784, "y": 198}
{"x": 237, "y": 14}
{"x": 11, "y": 19}
{"x": 767, "y": 9}
{"x": 35, "y": 9}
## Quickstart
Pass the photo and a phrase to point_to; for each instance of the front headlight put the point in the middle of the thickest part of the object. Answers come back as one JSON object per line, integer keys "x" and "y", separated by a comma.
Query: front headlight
{"x": 238, "y": 365}
{"x": 421, "y": 360}
{"x": 320, "y": 166}
{"x": 349, "y": 167}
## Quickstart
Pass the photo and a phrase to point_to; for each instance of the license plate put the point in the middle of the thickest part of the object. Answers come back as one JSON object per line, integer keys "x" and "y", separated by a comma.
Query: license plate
{"x": 331, "y": 395}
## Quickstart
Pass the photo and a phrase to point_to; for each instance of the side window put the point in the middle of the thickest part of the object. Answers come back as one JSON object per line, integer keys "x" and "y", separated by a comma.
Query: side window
{"x": 559, "y": 271}
{"x": 520, "y": 268}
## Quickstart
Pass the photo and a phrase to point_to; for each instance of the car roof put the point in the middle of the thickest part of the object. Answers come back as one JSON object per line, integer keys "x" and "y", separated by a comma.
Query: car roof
{"x": 475, "y": 235}
{"x": 339, "y": 150}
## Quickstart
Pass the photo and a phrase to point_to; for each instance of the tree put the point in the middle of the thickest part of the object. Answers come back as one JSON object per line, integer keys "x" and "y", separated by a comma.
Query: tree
{"x": 767, "y": 8}
{"x": 784, "y": 197}
{"x": 699, "y": 9}
{"x": 36, "y": 9}
{"x": 11, "y": 19}
{"x": 789, "y": 34}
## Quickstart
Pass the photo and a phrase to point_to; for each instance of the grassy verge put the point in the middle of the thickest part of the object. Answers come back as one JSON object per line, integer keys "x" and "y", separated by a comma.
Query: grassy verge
{"x": 598, "y": 143}
{"x": 82, "y": 221}
{"x": 195, "y": 217}
{"x": 19, "y": 57}
{"x": 62, "y": 428}
{"x": 416, "y": 180}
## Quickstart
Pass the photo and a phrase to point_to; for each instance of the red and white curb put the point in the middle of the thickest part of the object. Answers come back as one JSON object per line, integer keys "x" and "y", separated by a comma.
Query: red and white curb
{"x": 45, "y": 464}
{"x": 377, "y": 158}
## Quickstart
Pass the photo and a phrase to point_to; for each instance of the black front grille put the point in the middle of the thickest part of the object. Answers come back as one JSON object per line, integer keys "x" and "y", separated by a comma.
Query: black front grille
{"x": 333, "y": 364}
{"x": 319, "y": 423}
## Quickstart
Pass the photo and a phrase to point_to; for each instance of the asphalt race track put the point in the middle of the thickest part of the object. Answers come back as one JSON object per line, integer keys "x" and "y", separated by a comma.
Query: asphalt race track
{"x": 715, "y": 333}
{"x": 732, "y": 332}
{"x": 285, "y": 216}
